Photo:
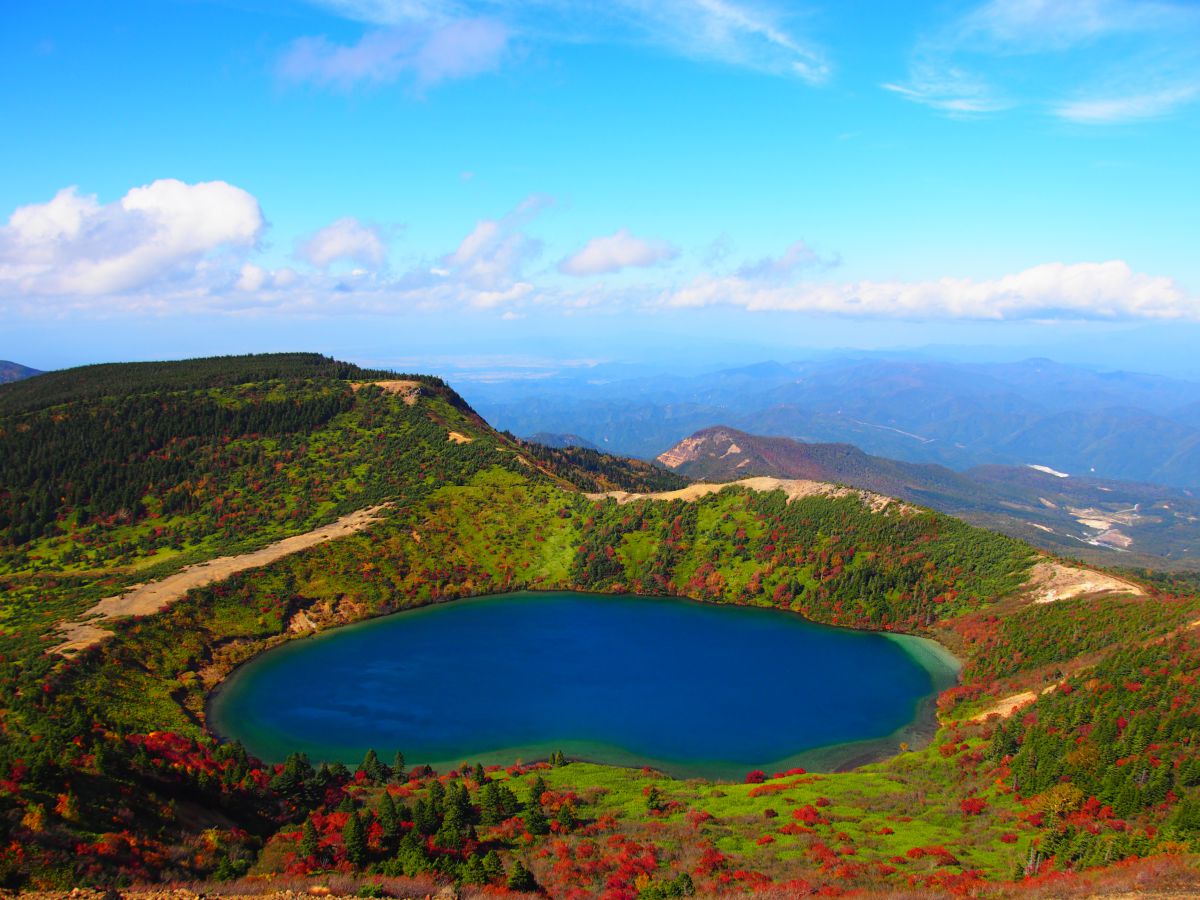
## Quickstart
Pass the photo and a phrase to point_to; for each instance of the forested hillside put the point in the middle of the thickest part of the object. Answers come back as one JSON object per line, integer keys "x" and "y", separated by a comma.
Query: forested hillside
{"x": 107, "y": 770}
{"x": 138, "y": 465}
{"x": 125, "y": 379}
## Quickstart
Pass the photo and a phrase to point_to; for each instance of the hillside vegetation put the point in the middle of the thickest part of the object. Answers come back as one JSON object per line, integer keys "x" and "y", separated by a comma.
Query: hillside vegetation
{"x": 107, "y": 771}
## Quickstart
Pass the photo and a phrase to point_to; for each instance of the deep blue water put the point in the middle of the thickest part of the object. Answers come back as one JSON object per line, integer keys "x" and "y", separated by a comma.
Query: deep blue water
{"x": 693, "y": 688}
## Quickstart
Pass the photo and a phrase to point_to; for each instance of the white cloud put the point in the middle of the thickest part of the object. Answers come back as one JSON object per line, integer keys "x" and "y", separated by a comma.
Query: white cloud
{"x": 73, "y": 244}
{"x": 429, "y": 52}
{"x": 750, "y": 35}
{"x": 1104, "y": 110}
{"x": 485, "y": 235}
{"x": 614, "y": 252}
{"x": 796, "y": 258}
{"x": 747, "y": 33}
{"x": 490, "y": 299}
{"x": 1086, "y": 61}
{"x": 1108, "y": 290}
{"x": 345, "y": 240}
{"x": 251, "y": 278}
{"x": 950, "y": 90}
{"x": 490, "y": 259}
{"x": 385, "y": 12}
{"x": 1038, "y": 26}
{"x": 171, "y": 247}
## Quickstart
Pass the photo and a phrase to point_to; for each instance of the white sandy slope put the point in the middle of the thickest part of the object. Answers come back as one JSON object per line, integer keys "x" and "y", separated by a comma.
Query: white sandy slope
{"x": 145, "y": 599}
{"x": 794, "y": 488}
{"x": 1050, "y": 580}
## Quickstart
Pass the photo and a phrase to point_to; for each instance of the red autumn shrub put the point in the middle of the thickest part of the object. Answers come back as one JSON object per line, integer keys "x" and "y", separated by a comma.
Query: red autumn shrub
{"x": 972, "y": 806}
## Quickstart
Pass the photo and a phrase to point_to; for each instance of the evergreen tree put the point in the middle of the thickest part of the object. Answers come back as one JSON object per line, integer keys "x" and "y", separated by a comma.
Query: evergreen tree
{"x": 535, "y": 820}
{"x": 537, "y": 789}
{"x": 566, "y": 818}
{"x": 654, "y": 801}
{"x": 411, "y": 858}
{"x": 398, "y": 765}
{"x": 454, "y": 830}
{"x": 373, "y": 768}
{"x": 491, "y": 805}
{"x": 492, "y": 866}
{"x": 389, "y": 818}
{"x": 437, "y": 796}
{"x": 293, "y": 780}
{"x": 1185, "y": 820}
{"x": 354, "y": 839}
{"x": 425, "y": 820}
{"x": 521, "y": 879}
{"x": 459, "y": 799}
{"x": 310, "y": 843}
{"x": 102, "y": 759}
{"x": 683, "y": 885}
{"x": 473, "y": 871}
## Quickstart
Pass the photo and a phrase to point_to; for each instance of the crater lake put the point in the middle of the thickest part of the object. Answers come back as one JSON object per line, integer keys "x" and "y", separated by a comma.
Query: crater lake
{"x": 691, "y": 688}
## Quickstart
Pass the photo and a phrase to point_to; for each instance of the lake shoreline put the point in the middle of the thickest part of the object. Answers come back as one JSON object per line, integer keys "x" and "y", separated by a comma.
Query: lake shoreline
{"x": 936, "y": 660}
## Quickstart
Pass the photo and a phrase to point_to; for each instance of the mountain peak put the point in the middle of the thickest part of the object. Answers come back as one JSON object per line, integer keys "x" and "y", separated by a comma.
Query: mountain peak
{"x": 11, "y": 371}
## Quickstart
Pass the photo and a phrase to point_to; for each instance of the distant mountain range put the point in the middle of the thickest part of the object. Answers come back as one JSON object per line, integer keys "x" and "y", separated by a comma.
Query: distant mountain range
{"x": 11, "y": 371}
{"x": 1115, "y": 521}
{"x": 1108, "y": 425}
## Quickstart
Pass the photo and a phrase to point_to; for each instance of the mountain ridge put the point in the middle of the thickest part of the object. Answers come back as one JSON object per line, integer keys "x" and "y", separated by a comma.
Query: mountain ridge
{"x": 11, "y": 371}
{"x": 1123, "y": 425}
{"x": 1104, "y": 520}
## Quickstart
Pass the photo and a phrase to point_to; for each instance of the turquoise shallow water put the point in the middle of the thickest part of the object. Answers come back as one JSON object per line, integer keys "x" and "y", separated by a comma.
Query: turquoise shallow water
{"x": 692, "y": 688}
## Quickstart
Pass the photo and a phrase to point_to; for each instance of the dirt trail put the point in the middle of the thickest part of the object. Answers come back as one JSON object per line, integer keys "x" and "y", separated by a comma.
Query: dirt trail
{"x": 145, "y": 599}
{"x": 793, "y": 487}
{"x": 1009, "y": 705}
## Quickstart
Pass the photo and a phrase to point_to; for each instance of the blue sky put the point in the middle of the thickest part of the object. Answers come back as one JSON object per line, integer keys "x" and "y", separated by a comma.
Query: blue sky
{"x": 411, "y": 180}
